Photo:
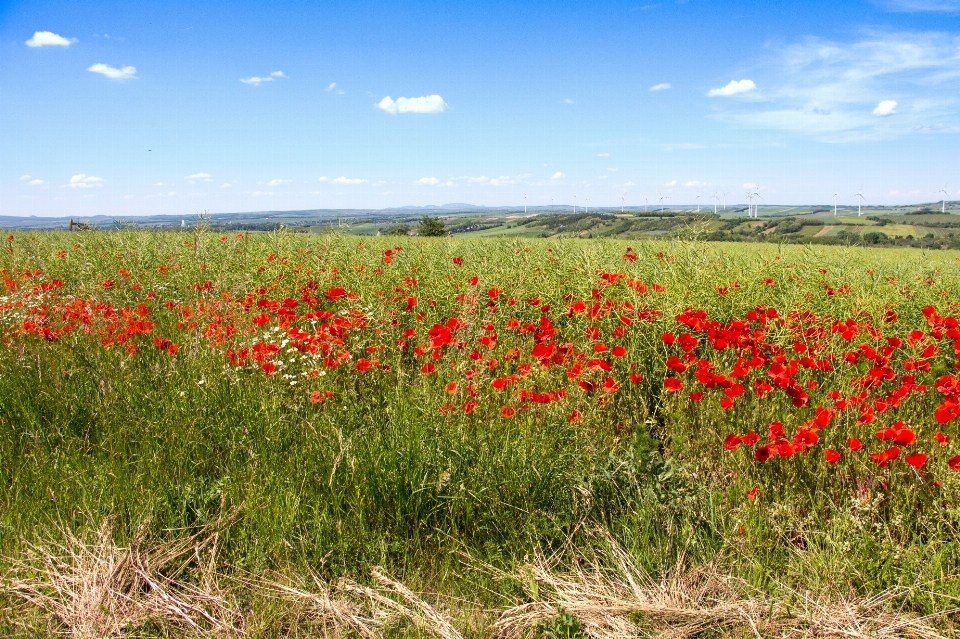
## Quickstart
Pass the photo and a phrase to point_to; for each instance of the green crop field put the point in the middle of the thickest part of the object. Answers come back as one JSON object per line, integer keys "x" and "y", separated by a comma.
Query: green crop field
{"x": 209, "y": 433}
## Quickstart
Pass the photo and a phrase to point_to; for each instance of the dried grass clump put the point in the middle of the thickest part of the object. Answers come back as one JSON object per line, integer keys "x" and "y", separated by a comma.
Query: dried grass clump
{"x": 364, "y": 610}
{"x": 611, "y": 598}
{"x": 97, "y": 589}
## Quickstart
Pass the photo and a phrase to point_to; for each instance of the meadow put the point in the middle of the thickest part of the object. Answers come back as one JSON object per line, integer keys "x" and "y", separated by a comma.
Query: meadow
{"x": 280, "y": 434}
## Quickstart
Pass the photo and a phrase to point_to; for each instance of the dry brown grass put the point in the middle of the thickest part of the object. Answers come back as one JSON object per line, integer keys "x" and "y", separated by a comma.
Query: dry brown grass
{"x": 612, "y": 598}
{"x": 90, "y": 587}
{"x": 97, "y": 589}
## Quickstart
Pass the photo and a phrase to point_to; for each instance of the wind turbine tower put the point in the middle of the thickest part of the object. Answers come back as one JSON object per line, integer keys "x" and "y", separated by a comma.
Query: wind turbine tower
{"x": 834, "y": 204}
{"x": 943, "y": 205}
{"x": 715, "y": 199}
{"x": 860, "y": 199}
{"x": 622, "y": 199}
{"x": 699, "y": 197}
{"x": 524, "y": 203}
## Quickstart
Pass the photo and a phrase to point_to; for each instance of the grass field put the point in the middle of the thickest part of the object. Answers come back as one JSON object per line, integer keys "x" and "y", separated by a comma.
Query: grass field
{"x": 278, "y": 434}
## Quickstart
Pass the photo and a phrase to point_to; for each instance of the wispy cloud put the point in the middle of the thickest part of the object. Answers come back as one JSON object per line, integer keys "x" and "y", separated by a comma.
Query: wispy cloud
{"x": 556, "y": 177}
{"x": 83, "y": 181}
{"x": 919, "y": 6}
{"x": 732, "y": 88}
{"x": 49, "y": 39}
{"x": 342, "y": 180}
{"x": 36, "y": 182}
{"x": 278, "y": 182}
{"x": 671, "y": 183}
{"x": 834, "y": 91}
{"x": 429, "y": 181}
{"x": 257, "y": 80}
{"x": 423, "y": 104}
{"x": 663, "y": 86}
{"x": 603, "y": 155}
{"x": 114, "y": 73}
{"x": 332, "y": 88}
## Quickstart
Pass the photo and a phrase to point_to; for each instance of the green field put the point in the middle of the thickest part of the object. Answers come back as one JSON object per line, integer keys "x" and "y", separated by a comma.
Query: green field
{"x": 294, "y": 434}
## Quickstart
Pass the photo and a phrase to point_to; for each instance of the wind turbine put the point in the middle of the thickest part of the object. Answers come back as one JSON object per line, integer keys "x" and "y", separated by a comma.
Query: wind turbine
{"x": 834, "y": 204}
{"x": 715, "y": 199}
{"x": 943, "y": 205}
{"x": 574, "y": 202}
{"x": 622, "y": 199}
{"x": 524, "y": 203}
{"x": 586, "y": 209}
{"x": 724, "y": 200}
{"x": 756, "y": 207}
{"x": 646, "y": 202}
{"x": 860, "y": 200}
{"x": 749, "y": 204}
{"x": 698, "y": 198}
{"x": 551, "y": 205}
{"x": 661, "y": 200}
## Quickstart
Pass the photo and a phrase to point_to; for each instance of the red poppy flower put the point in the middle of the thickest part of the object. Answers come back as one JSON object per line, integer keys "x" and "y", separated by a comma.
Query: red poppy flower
{"x": 618, "y": 351}
{"x": 668, "y": 338}
{"x": 575, "y": 416}
{"x": 725, "y": 403}
{"x": 458, "y": 261}
{"x": 316, "y": 397}
{"x": 473, "y": 280}
{"x": 731, "y": 442}
{"x": 941, "y": 439}
{"x": 750, "y": 438}
{"x": 831, "y": 456}
{"x": 508, "y": 411}
{"x": 752, "y": 493}
{"x": 672, "y": 383}
{"x": 916, "y": 460}
{"x": 696, "y": 396}
{"x": 635, "y": 378}
{"x": 469, "y": 406}
{"x": 954, "y": 462}
{"x": 269, "y": 368}
{"x": 854, "y": 444}
{"x": 427, "y": 368}
{"x": 610, "y": 385}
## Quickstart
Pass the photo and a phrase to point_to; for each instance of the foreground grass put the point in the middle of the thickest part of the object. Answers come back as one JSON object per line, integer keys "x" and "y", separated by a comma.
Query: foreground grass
{"x": 449, "y": 503}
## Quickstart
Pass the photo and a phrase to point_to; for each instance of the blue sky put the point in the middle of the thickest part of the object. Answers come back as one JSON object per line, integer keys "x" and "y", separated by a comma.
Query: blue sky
{"x": 178, "y": 107}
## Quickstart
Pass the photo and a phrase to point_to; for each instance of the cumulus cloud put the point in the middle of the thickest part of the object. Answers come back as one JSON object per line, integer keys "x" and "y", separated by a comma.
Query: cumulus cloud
{"x": 49, "y": 39}
{"x": 333, "y": 87}
{"x": 23, "y": 178}
{"x": 663, "y": 86}
{"x": 123, "y": 73}
{"x": 278, "y": 182}
{"x": 430, "y": 181}
{"x": 226, "y": 185}
{"x": 603, "y": 155}
{"x": 695, "y": 183}
{"x": 886, "y": 107}
{"x": 567, "y": 101}
{"x": 35, "y": 182}
{"x": 83, "y": 181}
{"x": 732, "y": 88}
{"x": 257, "y": 80}
{"x": 423, "y": 104}
{"x": 557, "y": 176}
{"x": 345, "y": 180}
{"x": 671, "y": 183}
{"x": 196, "y": 176}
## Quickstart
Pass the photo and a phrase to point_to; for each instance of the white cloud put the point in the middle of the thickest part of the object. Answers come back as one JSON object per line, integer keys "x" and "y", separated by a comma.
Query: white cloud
{"x": 671, "y": 183}
{"x": 567, "y": 101}
{"x": 557, "y": 176}
{"x": 36, "y": 182}
{"x": 123, "y": 73}
{"x": 423, "y": 104}
{"x": 83, "y": 181}
{"x": 196, "y": 176}
{"x": 732, "y": 88}
{"x": 695, "y": 183}
{"x": 628, "y": 184}
{"x": 278, "y": 182}
{"x": 828, "y": 90}
{"x": 886, "y": 107}
{"x": 226, "y": 185}
{"x": 430, "y": 181}
{"x": 345, "y": 180}
{"x": 603, "y": 155}
{"x": 609, "y": 169}
{"x": 333, "y": 86}
{"x": 23, "y": 178}
{"x": 257, "y": 80}
{"x": 323, "y": 178}
{"x": 663, "y": 86}
{"x": 49, "y": 39}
